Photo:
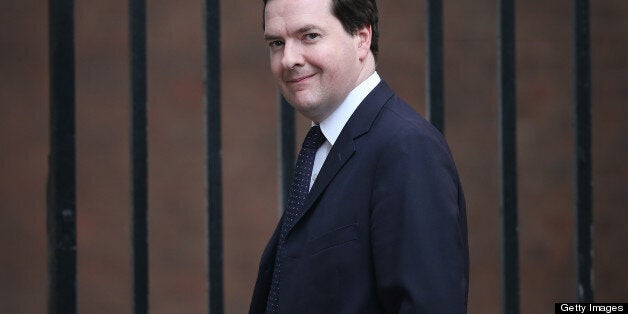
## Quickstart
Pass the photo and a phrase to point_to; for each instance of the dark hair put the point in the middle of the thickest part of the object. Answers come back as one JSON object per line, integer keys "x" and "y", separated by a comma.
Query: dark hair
{"x": 355, "y": 14}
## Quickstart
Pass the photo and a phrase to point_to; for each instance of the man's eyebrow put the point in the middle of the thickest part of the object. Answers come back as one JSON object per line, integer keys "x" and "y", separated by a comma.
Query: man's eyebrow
{"x": 302, "y": 30}
{"x": 271, "y": 37}
{"x": 307, "y": 28}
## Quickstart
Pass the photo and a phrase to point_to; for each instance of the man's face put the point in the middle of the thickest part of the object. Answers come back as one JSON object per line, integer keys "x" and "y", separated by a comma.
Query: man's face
{"x": 315, "y": 62}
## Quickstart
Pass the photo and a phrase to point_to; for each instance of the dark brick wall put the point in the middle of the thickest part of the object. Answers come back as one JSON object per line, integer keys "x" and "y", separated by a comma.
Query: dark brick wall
{"x": 176, "y": 147}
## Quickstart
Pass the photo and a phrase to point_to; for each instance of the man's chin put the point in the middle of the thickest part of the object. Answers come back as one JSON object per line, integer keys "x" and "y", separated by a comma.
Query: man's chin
{"x": 307, "y": 109}
{"x": 302, "y": 104}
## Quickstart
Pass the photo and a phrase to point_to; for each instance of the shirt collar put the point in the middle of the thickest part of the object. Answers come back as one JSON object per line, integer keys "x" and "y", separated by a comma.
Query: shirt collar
{"x": 333, "y": 125}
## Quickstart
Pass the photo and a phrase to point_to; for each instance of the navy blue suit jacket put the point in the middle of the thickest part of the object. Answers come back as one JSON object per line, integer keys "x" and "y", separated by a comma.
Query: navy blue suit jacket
{"x": 384, "y": 227}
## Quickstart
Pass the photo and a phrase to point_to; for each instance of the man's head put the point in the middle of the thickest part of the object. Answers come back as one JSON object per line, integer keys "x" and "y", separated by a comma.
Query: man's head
{"x": 354, "y": 14}
{"x": 320, "y": 50}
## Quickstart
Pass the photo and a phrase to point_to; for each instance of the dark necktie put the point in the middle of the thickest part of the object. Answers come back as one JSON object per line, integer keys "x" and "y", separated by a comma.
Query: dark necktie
{"x": 298, "y": 191}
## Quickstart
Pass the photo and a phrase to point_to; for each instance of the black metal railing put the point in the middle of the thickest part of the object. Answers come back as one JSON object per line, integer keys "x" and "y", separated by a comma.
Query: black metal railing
{"x": 582, "y": 152}
{"x": 61, "y": 189}
{"x": 434, "y": 95}
{"x": 214, "y": 157}
{"x": 508, "y": 157}
{"x": 139, "y": 155}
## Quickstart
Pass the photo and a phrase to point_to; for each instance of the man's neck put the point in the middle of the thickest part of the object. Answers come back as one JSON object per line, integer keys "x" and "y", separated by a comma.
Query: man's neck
{"x": 333, "y": 124}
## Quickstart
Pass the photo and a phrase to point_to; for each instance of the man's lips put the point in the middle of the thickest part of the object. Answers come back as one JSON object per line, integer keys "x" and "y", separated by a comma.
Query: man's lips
{"x": 299, "y": 79}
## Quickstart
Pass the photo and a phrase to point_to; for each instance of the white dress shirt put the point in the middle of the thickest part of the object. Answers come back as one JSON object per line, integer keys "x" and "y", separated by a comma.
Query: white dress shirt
{"x": 333, "y": 125}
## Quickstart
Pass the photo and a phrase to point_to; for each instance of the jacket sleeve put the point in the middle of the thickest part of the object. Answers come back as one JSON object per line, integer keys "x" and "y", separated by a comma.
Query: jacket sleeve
{"x": 418, "y": 227}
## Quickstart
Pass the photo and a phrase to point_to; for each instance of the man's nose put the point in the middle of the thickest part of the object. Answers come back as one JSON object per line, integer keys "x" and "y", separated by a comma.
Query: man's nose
{"x": 292, "y": 55}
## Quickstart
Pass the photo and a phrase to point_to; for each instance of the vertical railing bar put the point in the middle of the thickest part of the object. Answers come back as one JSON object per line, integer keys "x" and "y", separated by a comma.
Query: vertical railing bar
{"x": 434, "y": 60}
{"x": 214, "y": 161}
{"x": 508, "y": 162}
{"x": 582, "y": 153}
{"x": 61, "y": 189}
{"x": 287, "y": 148}
{"x": 139, "y": 155}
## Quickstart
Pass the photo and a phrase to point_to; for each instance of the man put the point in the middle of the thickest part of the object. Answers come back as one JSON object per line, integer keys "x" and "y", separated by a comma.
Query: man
{"x": 375, "y": 221}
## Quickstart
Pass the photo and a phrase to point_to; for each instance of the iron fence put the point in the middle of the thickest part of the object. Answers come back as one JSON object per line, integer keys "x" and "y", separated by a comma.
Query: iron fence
{"x": 61, "y": 199}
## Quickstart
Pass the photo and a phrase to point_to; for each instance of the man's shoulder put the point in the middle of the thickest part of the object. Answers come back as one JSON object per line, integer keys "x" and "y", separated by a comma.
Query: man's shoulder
{"x": 399, "y": 127}
{"x": 391, "y": 119}
{"x": 398, "y": 116}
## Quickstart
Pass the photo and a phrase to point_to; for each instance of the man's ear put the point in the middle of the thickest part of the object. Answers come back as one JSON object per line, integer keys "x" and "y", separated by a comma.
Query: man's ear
{"x": 364, "y": 35}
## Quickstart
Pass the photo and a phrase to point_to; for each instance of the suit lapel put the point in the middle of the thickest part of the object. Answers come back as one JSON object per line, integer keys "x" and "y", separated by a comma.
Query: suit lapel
{"x": 344, "y": 148}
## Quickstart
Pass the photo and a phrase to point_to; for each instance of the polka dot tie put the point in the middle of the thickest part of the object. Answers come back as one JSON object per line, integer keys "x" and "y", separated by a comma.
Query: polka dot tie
{"x": 298, "y": 191}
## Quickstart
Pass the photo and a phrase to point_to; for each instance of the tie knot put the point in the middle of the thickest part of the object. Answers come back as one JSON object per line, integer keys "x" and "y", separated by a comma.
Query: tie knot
{"x": 314, "y": 138}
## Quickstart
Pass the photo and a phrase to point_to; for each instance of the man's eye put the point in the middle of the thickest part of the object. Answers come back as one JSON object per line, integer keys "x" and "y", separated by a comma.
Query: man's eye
{"x": 274, "y": 44}
{"x": 311, "y": 36}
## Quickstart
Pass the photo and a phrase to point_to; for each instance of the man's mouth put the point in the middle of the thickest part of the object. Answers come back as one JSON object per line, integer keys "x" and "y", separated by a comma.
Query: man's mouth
{"x": 299, "y": 79}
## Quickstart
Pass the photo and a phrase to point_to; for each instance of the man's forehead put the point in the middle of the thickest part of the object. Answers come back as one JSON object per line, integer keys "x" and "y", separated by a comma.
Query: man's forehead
{"x": 296, "y": 15}
{"x": 286, "y": 8}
